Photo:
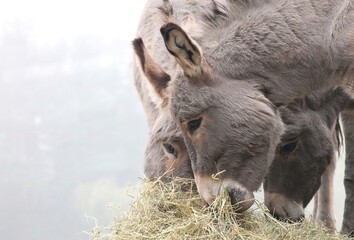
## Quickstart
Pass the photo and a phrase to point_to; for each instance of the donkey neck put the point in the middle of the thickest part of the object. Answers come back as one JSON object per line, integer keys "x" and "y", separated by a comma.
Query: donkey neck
{"x": 285, "y": 47}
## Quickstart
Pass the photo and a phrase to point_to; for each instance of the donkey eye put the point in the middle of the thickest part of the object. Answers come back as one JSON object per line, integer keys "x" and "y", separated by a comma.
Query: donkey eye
{"x": 170, "y": 149}
{"x": 194, "y": 125}
{"x": 288, "y": 148}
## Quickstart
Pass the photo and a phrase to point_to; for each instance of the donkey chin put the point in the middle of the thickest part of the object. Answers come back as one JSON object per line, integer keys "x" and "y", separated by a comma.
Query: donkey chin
{"x": 208, "y": 188}
{"x": 283, "y": 208}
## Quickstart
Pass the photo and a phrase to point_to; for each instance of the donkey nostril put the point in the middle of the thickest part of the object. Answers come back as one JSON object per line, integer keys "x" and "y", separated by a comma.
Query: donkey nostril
{"x": 241, "y": 198}
{"x": 295, "y": 219}
{"x": 288, "y": 219}
{"x": 299, "y": 218}
{"x": 277, "y": 216}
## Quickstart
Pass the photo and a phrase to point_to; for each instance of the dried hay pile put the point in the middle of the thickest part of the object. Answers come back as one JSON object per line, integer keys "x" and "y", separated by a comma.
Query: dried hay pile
{"x": 164, "y": 211}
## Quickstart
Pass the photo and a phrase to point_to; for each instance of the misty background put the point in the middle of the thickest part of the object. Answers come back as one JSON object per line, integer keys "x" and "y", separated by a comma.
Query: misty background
{"x": 72, "y": 129}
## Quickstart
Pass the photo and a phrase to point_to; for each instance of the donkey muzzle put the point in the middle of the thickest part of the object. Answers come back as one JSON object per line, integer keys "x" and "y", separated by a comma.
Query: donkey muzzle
{"x": 283, "y": 208}
{"x": 209, "y": 188}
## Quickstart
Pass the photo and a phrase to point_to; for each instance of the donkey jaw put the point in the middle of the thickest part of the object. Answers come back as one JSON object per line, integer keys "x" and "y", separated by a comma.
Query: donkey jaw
{"x": 283, "y": 208}
{"x": 209, "y": 188}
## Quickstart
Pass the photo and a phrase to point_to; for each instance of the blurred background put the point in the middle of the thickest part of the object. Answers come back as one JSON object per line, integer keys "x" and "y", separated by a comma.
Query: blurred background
{"x": 72, "y": 129}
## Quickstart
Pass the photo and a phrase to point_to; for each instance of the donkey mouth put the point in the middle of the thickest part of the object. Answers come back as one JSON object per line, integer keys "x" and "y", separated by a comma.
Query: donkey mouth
{"x": 288, "y": 219}
{"x": 283, "y": 208}
{"x": 208, "y": 188}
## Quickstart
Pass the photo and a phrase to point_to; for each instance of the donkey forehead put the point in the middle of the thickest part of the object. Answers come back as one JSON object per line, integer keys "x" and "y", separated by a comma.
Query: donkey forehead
{"x": 189, "y": 99}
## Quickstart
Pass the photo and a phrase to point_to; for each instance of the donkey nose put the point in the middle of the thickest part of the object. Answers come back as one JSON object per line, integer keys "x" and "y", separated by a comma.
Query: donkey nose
{"x": 288, "y": 219}
{"x": 241, "y": 198}
{"x": 209, "y": 189}
{"x": 283, "y": 208}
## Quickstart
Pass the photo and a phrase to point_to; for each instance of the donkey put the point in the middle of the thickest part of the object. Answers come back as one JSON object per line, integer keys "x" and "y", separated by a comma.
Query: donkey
{"x": 165, "y": 154}
{"x": 225, "y": 98}
{"x": 307, "y": 151}
{"x": 308, "y": 120}
{"x": 207, "y": 90}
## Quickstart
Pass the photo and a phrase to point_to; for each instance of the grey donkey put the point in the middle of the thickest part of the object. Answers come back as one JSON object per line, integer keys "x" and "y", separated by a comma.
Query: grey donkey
{"x": 305, "y": 158}
{"x": 301, "y": 166}
{"x": 223, "y": 87}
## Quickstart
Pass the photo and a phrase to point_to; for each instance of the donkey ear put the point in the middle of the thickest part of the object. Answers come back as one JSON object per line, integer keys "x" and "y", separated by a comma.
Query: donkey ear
{"x": 186, "y": 51}
{"x": 153, "y": 71}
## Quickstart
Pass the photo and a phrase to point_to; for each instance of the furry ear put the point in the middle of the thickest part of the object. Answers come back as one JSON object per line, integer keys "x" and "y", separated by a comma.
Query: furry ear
{"x": 153, "y": 71}
{"x": 186, "y": 51}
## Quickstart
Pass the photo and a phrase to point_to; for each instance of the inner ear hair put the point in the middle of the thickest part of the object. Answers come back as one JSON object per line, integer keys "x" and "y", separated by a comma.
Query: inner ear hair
{"x": 183, "y": 48}
{"x": 153, "y": 71}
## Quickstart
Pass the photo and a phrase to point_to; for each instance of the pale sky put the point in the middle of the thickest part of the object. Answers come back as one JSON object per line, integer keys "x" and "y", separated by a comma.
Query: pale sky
{"x": 53, "y": 21}
{"x": 67, "y": 101}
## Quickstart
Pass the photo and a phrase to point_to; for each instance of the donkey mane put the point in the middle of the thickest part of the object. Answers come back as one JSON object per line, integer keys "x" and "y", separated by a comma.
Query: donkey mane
{"x": 218, "y": 13}
{"x": 166, "y": 9}
{"x": 210, "y": 16}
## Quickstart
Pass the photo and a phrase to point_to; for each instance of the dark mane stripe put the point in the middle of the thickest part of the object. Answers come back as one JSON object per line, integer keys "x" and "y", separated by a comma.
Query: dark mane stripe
{"x": 166, "y": 9}
{"x": 217, "y": 13}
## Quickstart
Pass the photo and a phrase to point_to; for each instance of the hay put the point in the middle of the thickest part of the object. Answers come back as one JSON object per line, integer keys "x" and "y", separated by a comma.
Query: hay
{"x": 164, "y": 211}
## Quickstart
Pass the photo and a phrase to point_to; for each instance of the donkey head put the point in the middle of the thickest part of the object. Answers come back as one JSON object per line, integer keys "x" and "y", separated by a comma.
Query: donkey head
{"x": 307, "y": 148}
{"x": 165, "y": 154}
{"x": 229, "y": 127}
